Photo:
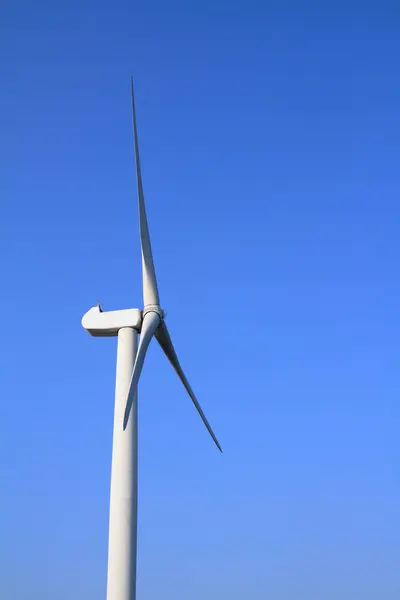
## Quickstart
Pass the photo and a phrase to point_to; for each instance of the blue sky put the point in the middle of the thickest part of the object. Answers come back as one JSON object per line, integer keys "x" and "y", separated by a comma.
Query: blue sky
{"x": 269, "y": 136}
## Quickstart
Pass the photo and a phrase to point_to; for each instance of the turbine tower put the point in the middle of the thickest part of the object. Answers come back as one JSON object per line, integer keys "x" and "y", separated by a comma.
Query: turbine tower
{"x": 127, "y": 325}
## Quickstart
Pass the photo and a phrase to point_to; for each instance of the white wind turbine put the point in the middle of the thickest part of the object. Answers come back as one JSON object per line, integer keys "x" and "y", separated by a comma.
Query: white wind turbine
{"x": 127, "y": 324}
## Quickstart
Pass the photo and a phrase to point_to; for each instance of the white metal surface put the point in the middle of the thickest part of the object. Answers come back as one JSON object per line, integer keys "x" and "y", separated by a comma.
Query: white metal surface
{"x": 150, "y": 288}
{"x": 121, "y": 578}
{"x": 107, "y": 323}
{"x": 150, "y": 323}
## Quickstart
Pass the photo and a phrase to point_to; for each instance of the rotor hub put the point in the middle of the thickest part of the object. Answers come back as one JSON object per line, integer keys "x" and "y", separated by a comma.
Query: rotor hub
{"x": 153, "y": 308}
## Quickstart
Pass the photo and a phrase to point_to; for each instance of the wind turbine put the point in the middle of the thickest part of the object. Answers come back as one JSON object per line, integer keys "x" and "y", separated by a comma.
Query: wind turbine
{"x": 126, "y": 325}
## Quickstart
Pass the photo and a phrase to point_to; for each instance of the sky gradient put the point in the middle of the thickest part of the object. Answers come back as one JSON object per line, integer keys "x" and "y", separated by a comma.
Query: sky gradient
{"x": 269, "y": 136}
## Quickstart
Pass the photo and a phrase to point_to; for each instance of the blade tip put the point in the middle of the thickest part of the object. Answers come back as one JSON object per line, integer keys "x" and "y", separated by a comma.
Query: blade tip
{"x": 126, "y": 418}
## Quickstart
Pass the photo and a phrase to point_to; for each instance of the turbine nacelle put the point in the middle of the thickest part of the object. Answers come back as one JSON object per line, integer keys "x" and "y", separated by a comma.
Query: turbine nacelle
{"x": 101, "y": 323}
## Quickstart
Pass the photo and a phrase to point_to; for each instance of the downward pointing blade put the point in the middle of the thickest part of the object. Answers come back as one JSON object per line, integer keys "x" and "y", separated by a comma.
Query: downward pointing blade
{"x": 164, "y": 339}
{"x": 150, "y": 289}
{"x": 150, "y": 323}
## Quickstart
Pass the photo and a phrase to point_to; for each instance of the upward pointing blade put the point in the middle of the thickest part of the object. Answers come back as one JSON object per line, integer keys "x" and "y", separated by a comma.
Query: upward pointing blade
{"x": 164, "y": 339}
{"x": 150, "y": 289}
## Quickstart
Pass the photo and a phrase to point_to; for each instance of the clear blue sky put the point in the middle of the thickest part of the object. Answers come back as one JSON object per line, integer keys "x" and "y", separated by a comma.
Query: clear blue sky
{"x": 270, "y": 146}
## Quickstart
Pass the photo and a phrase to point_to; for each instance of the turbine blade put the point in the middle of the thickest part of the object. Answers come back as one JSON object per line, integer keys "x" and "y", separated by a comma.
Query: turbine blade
{"x": 164, "y": 339}
{"x": 150, "y": 323}
{"x": 150, "y": 289}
